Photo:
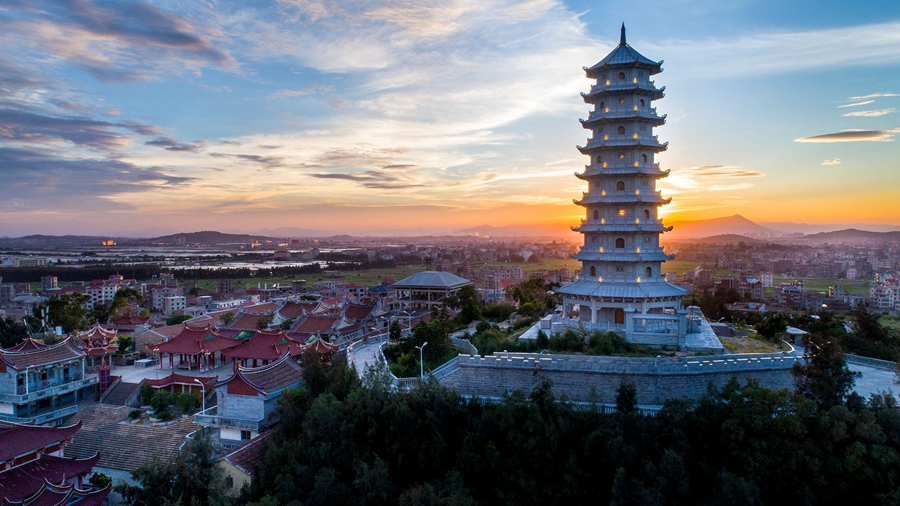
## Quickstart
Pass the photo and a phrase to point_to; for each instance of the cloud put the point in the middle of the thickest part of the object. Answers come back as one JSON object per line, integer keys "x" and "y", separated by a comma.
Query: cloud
{"x": 835, "y": 161}
{"x": 268, "y": 162}
{"x": 871, "y": 114}
{"x": 170, "y": 144}
{"x": 374, "y": 179}
{"x": 853, "y": 136}
{"x": 41, "y": 179}
{"x": 787, "y": 51}
{"x": 299, "y": 93}
{"x": 34, "y": 128}
{"x": 704, "y": 178}
{"x": 116, "y": 42}
{"x": 875, "y": 95}
{"x": 866, "y": 102}
{"x": 719, "y": 171}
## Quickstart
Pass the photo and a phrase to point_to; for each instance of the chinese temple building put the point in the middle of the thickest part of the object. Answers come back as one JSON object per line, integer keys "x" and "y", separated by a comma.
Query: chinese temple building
{"x": 622, "y": 287}
{"x": 43, "y": 384}
{"x": 97, "y": 342}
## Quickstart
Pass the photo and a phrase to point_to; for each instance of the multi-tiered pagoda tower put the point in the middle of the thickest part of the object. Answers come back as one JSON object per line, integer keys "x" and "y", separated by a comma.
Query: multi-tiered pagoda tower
{"x": 622, "y": 286}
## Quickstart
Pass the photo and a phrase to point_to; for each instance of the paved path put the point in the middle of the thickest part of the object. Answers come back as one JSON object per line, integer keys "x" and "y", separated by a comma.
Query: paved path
{"x": 874, "y": 380}
{"x": 365, "y": 354}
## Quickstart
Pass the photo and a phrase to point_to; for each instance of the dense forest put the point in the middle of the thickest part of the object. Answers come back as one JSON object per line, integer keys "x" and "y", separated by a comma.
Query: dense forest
{"x": 343, "y": 440}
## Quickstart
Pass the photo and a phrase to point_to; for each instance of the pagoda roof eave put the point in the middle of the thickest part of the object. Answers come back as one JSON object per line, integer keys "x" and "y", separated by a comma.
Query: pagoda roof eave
{"x": 623, "y": 257}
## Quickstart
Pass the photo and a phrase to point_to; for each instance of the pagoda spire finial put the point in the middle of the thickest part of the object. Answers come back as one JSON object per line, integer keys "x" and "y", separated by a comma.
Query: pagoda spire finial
{"x": 622, "y": 38}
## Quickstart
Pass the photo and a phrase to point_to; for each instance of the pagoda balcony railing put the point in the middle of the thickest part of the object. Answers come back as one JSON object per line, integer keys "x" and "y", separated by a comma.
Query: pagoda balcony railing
{"x": 211, "y": 418}
{"x": 624, "y": 198}
{"x": 618, "y": 85}
{"x": 625, "y": 112}
{"x": 625, "y": 141}
{"x": 43, "y": 391}
{"x": 626, "y": 226}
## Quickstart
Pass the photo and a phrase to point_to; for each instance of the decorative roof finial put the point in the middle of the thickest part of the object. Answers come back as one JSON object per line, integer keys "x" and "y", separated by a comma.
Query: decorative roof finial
{"x": 622, "y": 38}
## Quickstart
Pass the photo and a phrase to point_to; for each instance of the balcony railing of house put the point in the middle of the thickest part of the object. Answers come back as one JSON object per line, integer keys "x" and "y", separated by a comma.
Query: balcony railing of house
{"x": 210, "y": 418}
{"x": 43, "y": 389}
{"x": 44, "y": 417}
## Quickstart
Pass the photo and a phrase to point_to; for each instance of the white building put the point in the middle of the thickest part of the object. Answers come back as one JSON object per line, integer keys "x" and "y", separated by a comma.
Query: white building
{"x": 174, "y": 304}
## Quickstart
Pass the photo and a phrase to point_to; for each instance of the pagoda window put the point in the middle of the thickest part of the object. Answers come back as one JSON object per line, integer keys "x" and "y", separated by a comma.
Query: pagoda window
{"x": 621, "y": 156}
{"x": 620, "y": 242}
{"x": 593, "y": 271}
{"x": 647, "y": 239}
{"x": 621, "y": 75}
{"x": 648, "y": 272}
{"x": 620, "y": 185}
{"x": 622, "y": 212}
{"x": 599, "y": 160}
{"x": 642, "y": 102}
{"x": 621, "y": 100}
{"x": 619, "y": 268}
{"x": 596, "y": 215}
{"x": 643, "y": 158}
{"x": 603, "y": 105}
{"x": 646, "y": 214}
{"x": 621, "y": 131}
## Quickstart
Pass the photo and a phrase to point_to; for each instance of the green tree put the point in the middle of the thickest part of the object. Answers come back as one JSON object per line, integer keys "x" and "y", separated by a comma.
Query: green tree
{"x": 175, "y": 319}
{"x": 12, "y": 332}
{"x": 99, "y": 480}
{"x": 125, "y": 298}
{"x": 823, "y": 377}
{"x": 773, "y": 326}
{"x": 466, "y": 301}
{"x": 126, "y": 343}
{"x": 68, "y": 311}
{"x": 287, "y": 324}
{"x": 227, "y": 317}
{"x": 263, "y": 323}
{"x": 191, "y": 478}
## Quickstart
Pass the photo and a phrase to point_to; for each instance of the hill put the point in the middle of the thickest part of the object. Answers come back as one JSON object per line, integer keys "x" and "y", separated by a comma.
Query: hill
{"x": 209, "y": 237}
{"x": 726, "y": 239}
{"x": 851, "y": 235}
{"x": 736, "y": 224}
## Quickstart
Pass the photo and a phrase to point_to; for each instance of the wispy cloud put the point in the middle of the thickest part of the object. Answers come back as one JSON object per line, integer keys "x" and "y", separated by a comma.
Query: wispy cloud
{"x": 871, "y": 114}
{"x": 789, "y": 51}
{"x": 875, "y": 95}
{"x": 856, "y": 104}
{"x": 299, "y": 93}
{"x": 170, "y": 144}
{"x": 853, "y": 136}
{"x": 833, "y": 161}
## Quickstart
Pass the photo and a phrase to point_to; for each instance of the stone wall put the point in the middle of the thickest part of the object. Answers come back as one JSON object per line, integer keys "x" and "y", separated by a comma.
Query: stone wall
{"x": 584, "y": 378}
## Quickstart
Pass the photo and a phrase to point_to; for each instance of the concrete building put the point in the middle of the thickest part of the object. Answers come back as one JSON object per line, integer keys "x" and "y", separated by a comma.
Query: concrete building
{"x": 174, "y": 304}
{"x": 622, "y": 287}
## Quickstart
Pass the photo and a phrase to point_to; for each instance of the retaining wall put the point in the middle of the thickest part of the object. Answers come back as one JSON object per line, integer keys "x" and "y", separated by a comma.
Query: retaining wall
{"x": 585, "y": 378}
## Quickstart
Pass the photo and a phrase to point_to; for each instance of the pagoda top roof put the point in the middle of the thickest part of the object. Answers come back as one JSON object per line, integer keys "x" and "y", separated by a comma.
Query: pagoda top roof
{"x": 629, "y": 290}
{"x": 624, "y": 55}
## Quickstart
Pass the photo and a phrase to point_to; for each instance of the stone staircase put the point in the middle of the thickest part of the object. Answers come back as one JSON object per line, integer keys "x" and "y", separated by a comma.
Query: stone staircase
{"x": 120, "y": 393}
{"x": 122, "y": 445}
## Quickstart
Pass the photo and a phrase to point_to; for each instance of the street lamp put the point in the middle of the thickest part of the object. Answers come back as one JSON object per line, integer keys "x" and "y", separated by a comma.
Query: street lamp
{"x": 202, "y": 395}
{"x": 421, "y": 360}
{"x": 409, "y": 319}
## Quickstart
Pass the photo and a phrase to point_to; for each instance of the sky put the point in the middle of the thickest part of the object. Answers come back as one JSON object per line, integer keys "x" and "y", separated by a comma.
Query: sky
{"x": 144, "y": 118}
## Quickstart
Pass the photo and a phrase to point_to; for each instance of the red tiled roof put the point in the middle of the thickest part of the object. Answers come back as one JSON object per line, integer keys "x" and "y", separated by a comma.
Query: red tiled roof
{"x": 316, "y": 324}
{"x": 291, "y": 309}
{"x": 247, "y": 321}
{"x": 59, "y": 352}
{"x": 64, "y": 495}
{"x": 249, "y": 457}
{"x": 320, "y": 346}
{"x": 194, "y": 340}
{"x": 25, "y": 480}
{"x": 264, "y": 308}
{"x": 358, "y": 312}
{"x": 270, "y": 378}
{"x": 265, "y": 346}
{"x": 17, "y": 440}
{"x": 28, "y": 344}
{"x": 181, "y": 379}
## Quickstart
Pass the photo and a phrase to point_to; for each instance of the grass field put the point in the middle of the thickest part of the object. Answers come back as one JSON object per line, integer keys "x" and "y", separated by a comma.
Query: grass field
{"x": 374, "y": 276}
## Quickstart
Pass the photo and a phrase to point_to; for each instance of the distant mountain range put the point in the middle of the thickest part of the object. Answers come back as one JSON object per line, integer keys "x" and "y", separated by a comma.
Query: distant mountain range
{"x": 730, "y": 229}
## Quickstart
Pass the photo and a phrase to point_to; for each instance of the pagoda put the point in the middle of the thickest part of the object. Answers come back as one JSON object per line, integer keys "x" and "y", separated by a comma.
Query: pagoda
{"x": 622, "y": 287}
